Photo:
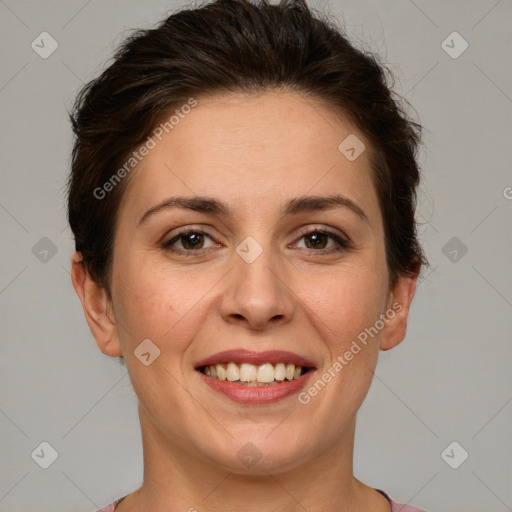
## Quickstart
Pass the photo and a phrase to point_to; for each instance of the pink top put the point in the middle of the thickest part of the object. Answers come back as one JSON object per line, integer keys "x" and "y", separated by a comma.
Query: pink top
{"x": 395, "y": 507}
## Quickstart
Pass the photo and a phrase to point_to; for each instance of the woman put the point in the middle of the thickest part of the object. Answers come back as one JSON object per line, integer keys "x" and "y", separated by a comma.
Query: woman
{"x": 242, "y": 197}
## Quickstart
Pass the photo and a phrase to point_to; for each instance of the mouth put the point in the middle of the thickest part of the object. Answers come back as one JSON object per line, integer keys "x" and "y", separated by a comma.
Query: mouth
{"x": 247, "y": 374}
{"x": 255, "y": 377}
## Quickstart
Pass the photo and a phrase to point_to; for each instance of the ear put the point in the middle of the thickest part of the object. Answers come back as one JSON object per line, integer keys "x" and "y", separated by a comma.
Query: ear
{"x": 97, "y": 308}
{"x": 397, "y": 312}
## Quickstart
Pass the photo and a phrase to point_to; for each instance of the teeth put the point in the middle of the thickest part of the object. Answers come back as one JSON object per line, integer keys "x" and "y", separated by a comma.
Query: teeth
{"x": 233, "y": 373}
{"x": 221, "y": 372}
{"x": 249, "y": 374}
{"x": 280, "y": 372}
{"x": 266, "y": 373}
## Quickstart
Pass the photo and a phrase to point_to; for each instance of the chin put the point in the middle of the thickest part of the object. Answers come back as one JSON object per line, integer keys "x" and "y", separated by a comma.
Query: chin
{"x": 257, "y": 454}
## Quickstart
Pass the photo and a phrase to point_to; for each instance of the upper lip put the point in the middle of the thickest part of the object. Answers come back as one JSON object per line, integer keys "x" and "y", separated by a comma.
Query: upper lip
{"x": 255, "y": 358}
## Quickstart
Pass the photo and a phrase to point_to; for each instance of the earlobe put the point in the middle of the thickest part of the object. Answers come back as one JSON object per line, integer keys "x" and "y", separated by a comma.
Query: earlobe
{"x": 397, "y": 313}
{"x": 97, "y": 308}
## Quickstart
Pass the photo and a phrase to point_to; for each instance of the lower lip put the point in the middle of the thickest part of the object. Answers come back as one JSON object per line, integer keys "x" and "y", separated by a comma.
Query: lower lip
{"x": 257, "y": 394}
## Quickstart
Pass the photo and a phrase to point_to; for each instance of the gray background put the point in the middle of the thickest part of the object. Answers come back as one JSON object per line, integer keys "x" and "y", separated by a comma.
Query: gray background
{"x": 449, "y": 381}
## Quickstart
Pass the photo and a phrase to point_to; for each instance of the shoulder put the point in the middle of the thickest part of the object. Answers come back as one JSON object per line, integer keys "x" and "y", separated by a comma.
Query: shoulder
{"x": 109, "y": 508}
{"x": 395, "y": 507}
{"x": 400, "y": 507}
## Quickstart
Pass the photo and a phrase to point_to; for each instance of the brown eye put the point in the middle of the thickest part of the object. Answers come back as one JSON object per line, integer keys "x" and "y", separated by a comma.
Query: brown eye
{"x": 188, "y": 242}
{"x": 192, "y": 241}
{"x": 316, "y": 241}
{"x": 323, "y": 242}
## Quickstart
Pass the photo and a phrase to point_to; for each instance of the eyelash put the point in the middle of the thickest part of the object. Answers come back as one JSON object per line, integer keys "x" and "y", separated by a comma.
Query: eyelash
{"x": 343, "y": 243}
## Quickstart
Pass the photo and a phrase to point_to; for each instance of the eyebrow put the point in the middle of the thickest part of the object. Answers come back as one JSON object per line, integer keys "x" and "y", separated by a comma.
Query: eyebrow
{"x": 203, "y": 204}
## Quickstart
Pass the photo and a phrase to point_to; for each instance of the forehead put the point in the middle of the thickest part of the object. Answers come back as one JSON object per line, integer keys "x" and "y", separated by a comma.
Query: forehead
{"x": 253, "y": 149}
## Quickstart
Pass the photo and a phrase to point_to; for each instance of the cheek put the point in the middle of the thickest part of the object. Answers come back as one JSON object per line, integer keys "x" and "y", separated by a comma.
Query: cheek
{"x": 346, "y": 310}
{"x": 145, "y": 302}
{"x": 342, "y": 311}
{"x": 161, "y": 304}
{"x": 343, "y": 305}
{"x": 158, "y": 306}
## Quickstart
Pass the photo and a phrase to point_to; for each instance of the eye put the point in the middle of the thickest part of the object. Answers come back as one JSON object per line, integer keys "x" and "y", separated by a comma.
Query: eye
{"x": 323, "y": 241}
{"x": 188, "y": 241}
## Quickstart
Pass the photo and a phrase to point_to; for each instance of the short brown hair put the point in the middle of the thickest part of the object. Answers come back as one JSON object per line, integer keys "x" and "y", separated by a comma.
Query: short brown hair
{"x": 237, "y": 46}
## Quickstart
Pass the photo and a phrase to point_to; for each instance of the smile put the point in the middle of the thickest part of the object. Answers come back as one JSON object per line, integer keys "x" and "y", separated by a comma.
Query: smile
{"x": 248, "y": 374}
{"x": 254, "y": 378}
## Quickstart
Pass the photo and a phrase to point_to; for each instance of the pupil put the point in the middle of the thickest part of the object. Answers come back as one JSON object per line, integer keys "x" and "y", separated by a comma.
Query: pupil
{"x": 317, "y": 239}
{"x": 192, "y": 240}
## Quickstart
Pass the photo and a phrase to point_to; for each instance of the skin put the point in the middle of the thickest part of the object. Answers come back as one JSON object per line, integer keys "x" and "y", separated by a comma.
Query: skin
{"x": 254, "y": 153}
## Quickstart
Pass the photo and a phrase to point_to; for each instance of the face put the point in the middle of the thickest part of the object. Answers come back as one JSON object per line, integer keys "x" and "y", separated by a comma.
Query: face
{"x": 279, "y": 258}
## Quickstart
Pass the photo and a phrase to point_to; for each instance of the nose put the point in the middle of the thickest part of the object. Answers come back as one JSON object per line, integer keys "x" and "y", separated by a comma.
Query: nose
{"x": 256, "y": 294}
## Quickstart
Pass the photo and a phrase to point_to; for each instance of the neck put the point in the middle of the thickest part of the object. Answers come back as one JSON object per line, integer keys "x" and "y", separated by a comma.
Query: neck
{"x": 176, "y": 481}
